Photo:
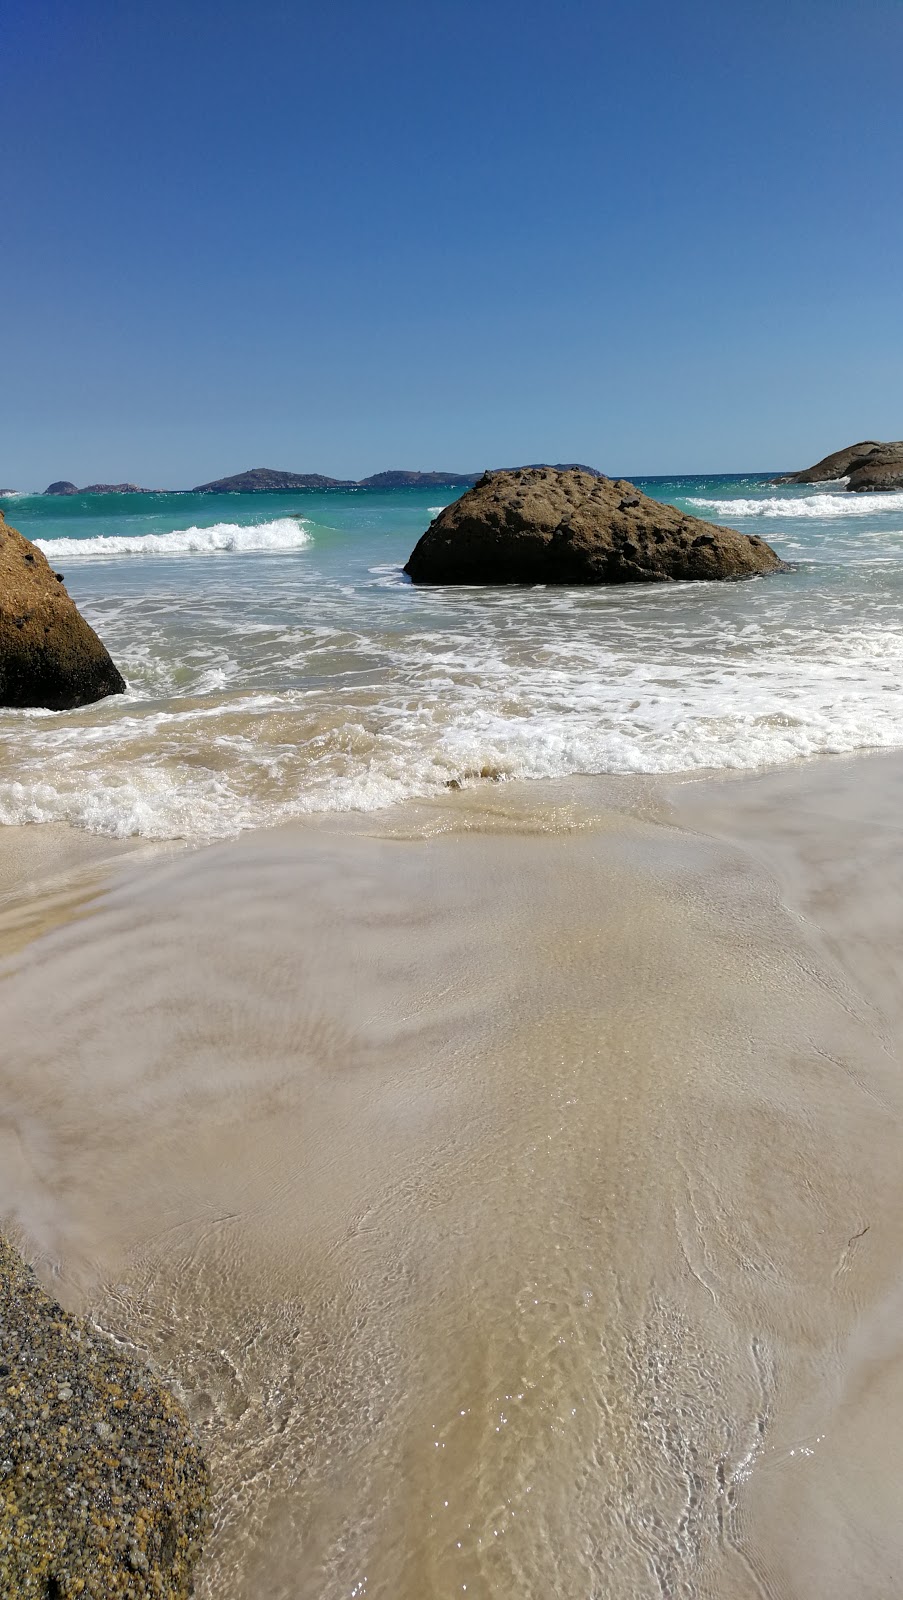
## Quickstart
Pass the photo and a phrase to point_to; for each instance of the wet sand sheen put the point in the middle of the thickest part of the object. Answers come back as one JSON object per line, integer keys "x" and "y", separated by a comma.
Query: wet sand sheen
{"x": 513, "y": 1205}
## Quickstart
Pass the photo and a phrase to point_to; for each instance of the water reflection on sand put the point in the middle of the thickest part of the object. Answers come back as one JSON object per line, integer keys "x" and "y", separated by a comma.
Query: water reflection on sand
{"x": 510, "y": 1198}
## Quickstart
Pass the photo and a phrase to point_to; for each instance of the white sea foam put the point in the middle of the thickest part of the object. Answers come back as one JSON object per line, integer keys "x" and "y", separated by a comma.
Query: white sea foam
{"x": 339, "y": 686}
{"x": 812, "y": 505}
{"x": 283, "y": 533}
{"x": 450, "y": 707}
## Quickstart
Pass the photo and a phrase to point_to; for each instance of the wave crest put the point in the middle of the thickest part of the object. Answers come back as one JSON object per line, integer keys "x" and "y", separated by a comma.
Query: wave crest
{"x": 283, "y": 533}
{"x": 813, "y": 505}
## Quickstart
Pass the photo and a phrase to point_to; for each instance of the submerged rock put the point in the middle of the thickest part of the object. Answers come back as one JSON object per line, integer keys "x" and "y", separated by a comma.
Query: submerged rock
{"x": 49, "y": 656}
{"x": 103, "y": 1489}
{"x": 542, "y": 525}
{"x": 870, "y": 464}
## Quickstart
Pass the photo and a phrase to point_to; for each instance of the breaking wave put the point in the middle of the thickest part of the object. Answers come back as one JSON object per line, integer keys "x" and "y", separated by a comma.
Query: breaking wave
{"x": 283, "y": 533}
{"x": 813, "y": 505}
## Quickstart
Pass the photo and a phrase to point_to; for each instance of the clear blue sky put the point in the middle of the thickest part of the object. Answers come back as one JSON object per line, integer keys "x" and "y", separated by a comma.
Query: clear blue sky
{"x": 646, "y": 234}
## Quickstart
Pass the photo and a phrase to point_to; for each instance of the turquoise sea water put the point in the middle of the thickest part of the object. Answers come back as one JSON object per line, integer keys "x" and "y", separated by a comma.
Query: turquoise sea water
{"x": 279, "y": 663}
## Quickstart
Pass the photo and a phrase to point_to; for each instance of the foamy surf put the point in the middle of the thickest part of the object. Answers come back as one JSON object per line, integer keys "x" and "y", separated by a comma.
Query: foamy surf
{"x": 329, "y": 683}
{"x": 282, "y": 534}
{"x": 812, "y": 505}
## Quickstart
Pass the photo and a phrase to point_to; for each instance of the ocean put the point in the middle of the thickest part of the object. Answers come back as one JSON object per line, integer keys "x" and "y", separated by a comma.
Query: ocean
{"x": 279, "y": 663}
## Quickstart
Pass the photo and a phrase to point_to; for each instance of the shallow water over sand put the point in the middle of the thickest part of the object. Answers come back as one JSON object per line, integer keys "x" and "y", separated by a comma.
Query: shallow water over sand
{"x": 514, "y": 1204}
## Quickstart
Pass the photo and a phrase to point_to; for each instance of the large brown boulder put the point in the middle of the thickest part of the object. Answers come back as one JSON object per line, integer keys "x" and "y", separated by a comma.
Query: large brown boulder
{"x": 103, "y": 1489}
{"x": 49, "y": 656}
{"x": 539, "y": 525}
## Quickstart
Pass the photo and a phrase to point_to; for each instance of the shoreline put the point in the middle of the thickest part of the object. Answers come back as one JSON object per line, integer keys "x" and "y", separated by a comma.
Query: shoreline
{"x": 576, "y": 1105}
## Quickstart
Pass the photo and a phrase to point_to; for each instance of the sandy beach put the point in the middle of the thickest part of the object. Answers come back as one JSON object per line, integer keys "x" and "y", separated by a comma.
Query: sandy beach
{"x": 509, "y": 1184}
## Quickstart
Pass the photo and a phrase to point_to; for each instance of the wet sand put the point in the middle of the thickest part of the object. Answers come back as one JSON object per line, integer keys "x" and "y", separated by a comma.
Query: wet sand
{"x": 510, "y": 1186}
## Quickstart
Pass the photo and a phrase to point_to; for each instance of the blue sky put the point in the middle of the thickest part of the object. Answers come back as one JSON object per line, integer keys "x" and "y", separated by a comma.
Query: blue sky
{"x": 651, "y": 236}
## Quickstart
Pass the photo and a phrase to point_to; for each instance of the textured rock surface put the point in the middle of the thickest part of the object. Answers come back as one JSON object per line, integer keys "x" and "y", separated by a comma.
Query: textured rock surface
{"x": 49, "y": 656}
{"x": 103, "y": 1490}
{"x": 62, "y": 486}
{"x": 541, "y": 525}
{"x": 881, "y": 469}
{"x": 870, "y": 464}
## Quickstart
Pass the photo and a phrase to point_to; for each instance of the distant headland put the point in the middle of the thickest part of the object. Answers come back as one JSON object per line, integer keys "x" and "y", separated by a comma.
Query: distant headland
{"x": 267, "y": 480}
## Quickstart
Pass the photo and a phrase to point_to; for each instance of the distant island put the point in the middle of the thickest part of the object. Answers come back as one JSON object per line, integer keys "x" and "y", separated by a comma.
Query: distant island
{"x": 63, "y": 486}
{"x": 268, "y": 480}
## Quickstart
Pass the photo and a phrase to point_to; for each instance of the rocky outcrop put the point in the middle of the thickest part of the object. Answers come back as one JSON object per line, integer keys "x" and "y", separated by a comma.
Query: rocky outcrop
{"x": 266, "y": 480}
{"x": 540, "y": 525}
{"x": 881, "y": 469}
{"x": 870, "y": 464}
{"x": 104, "y": 1489}
{"x": 62, "y": 486}
{"x": 49, "y": 656}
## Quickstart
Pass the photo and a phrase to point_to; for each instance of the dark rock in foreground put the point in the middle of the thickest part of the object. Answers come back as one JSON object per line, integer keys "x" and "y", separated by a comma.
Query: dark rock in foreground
{"x": 870, "y": 464}
{"x": 49, "y": 656}
{"x": 103, "y": 1490}
{"x": 539, "y": 525}
{"x": 266, "y": 480}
